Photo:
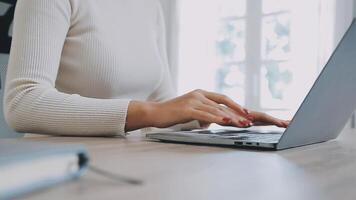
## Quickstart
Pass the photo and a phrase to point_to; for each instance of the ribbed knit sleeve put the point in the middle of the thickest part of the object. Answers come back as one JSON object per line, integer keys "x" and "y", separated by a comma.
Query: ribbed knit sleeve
{"x": 32, "y": 103}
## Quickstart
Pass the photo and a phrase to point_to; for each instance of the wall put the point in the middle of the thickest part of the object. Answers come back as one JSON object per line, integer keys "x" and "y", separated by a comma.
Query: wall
{"x": 6, "y": 14}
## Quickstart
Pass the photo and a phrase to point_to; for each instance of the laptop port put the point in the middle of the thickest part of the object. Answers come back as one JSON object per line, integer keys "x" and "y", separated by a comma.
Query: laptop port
{"x": 239, "y": 143}
{"x": 248, "y": 143}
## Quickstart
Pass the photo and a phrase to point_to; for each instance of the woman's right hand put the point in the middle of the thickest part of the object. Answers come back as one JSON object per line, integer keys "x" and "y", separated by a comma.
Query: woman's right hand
{"x": 206, "y": 107}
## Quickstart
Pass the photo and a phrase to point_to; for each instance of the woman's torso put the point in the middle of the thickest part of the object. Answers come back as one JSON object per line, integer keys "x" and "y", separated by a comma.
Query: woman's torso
{"x": 111, "y": 50}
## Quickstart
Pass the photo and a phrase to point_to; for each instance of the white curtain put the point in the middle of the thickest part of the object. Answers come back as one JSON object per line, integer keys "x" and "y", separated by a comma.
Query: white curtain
{"x": 171, "y": 18}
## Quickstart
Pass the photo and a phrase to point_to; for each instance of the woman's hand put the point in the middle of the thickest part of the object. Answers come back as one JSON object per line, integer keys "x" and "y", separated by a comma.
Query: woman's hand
{"x": 263, "y": 119}
{"x": 206, "y": 107}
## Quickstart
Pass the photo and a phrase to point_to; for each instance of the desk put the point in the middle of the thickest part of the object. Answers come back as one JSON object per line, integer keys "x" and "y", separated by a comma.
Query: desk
{"x": 177, "y": 171}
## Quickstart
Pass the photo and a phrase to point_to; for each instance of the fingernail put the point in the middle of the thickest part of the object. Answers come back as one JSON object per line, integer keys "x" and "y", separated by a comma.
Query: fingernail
{"x": 242, "y": 122}
{"x": 227, "y": 120}
{"x": 247, "y": 111}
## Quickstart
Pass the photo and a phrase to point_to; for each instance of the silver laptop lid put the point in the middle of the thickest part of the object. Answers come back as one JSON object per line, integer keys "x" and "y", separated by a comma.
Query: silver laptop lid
{"x": 330, "y": 102}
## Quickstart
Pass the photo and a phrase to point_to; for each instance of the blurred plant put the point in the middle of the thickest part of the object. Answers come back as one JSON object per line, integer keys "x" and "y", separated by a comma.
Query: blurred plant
{"x": 276, "y": 77}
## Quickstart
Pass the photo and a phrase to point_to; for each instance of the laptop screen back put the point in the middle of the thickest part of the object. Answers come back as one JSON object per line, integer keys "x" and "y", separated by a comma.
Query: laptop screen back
{"x": 330, "y": 102}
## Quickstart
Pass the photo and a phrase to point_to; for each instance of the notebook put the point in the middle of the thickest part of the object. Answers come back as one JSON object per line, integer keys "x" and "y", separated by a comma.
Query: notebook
{"x": 29, "y": 166}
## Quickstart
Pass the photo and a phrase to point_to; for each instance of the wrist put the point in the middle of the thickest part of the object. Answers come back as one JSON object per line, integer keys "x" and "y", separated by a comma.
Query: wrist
{"x": 150, "y": 112}
{"x": 140, "y": 115}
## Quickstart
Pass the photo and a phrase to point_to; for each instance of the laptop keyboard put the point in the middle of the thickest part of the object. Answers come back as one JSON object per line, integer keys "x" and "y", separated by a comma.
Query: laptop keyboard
{"x": 243, "y": 135}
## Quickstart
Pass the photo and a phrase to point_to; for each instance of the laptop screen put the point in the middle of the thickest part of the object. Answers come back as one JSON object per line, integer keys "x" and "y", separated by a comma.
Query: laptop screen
{"x": 330, "y": 102}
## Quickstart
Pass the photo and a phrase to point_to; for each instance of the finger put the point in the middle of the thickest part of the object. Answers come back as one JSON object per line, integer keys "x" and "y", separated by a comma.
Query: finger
{"x": 213, "y": 110}
{"x": 249, "y": 116}
{"x": 236, "y": 117}
{"x": 274, "y": 121}
{"x": 286, "y": 123}
{"x": 201, "y": 115}
{"x": 222, "y": 99}
{"x": 211, "y": 103}
{"x": 208, "y": 117}
{"x": 237, "y": 120}
{"x": 258, "y": 123}
{"x": 263, "y": 119}
{"x": 228, "y": 118}
{"x": 279, "y": 124}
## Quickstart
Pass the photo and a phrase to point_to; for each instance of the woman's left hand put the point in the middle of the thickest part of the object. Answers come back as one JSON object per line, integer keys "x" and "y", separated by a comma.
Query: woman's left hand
{"x": 259, "y": 119}
{"x": 263, "y": 119}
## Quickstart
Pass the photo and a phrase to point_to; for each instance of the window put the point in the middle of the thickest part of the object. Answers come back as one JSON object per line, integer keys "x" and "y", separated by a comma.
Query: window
{"x": 257, "y": 52}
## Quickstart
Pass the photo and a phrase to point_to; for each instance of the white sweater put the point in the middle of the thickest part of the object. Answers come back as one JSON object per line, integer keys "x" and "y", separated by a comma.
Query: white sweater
{"x": 76, "y": 64}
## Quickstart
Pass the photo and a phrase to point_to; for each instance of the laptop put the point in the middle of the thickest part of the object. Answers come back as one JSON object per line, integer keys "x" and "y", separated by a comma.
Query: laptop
{"x": 321, "y": 117}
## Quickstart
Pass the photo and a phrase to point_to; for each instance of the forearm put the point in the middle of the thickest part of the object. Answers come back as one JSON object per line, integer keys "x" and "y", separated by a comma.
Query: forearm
{"x": 44, "y": 110}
